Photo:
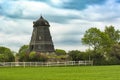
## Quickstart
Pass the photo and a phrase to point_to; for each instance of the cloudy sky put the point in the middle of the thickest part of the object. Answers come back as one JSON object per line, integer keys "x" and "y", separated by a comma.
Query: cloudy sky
{"x": 69, "y": 19}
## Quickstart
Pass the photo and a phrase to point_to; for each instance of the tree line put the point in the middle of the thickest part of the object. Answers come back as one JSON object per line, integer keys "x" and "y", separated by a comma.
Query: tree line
{"x": 104, "y": 49}
{"x": 104, "y": 46}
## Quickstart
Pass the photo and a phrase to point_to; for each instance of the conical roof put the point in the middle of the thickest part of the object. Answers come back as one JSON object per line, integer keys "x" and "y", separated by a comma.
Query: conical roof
{"x": 41, "y": 22}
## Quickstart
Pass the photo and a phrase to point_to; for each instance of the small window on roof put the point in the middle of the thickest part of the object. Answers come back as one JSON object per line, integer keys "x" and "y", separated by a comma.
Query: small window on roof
{"x": 46, "y": 23}
{"x": 40, "y": 37}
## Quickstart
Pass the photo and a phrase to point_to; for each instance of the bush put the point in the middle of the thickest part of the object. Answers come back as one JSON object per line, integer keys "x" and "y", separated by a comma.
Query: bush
{"x": 22, "y": 54}
{"x": 60, "y": 52}
{"x": 6, "y": 55}
{"x": 41, "y": 57}
{"x": 76, "y": 55}
{"x": 32, "y": 56}
{"x": 36, "y": 56}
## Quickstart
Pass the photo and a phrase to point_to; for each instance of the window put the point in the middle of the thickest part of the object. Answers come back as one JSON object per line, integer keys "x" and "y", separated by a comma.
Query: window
{"x": 40, "y": 37}
{"x": 46, "y": 23}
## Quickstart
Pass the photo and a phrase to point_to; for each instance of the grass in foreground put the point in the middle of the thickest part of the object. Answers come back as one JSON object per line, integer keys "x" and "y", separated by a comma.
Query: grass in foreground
{"x": 61, "y": 73}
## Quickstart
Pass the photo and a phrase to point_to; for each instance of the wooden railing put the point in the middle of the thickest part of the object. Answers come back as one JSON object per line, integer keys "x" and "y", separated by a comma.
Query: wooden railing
{"x": 25, "y": 64}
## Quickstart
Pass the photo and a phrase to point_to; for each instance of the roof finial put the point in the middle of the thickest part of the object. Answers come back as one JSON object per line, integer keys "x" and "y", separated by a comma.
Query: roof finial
{"x": 41, "y": 16}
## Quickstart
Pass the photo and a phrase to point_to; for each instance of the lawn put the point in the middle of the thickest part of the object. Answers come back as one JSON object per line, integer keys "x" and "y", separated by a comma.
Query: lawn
{"x": 61, "y": 73}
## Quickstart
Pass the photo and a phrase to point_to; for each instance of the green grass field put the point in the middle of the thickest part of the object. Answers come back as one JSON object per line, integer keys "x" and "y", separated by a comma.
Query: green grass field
{"x": 61, "y": 73}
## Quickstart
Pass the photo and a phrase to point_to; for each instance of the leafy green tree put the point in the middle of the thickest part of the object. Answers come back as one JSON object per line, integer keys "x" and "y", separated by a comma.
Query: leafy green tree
{"x": 2, "y": 59}
{"x": 113, "y": 34}
{"x": 94, "y": 38}
{"x": 22, "y": 54}
{"x": 116, "y": 51}
{"x": 100, "y": 43}
{"x": 76, "y": 55}
{"x": 6, "y": 55}
{"x": 60, "y": 52}
{"x": 103, "y": 43}
{"x": 89, "y": 54}
{"x": 23, "y": 48}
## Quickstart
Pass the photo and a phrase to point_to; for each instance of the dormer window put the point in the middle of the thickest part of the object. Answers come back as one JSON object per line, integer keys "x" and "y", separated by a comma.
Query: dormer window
{"x": 40, "y": 37}
{"x": 46, "y": 23}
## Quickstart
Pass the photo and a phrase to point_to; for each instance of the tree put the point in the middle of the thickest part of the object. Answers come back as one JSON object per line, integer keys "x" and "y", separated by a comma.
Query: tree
{"x": 96, "y": 39}
{"x": 100, "y": 43}
{"x": 6, "y": 55}
{"x": 113, "y": 34}
{"x": 91, "y": 37}
{"x": 116, "y": 51}
{"x": 60, "y": 52}
{"x": 23, "y": 48}
{"x": 114, "y": 56}
{"x": 22, "y": 54}
{"x": 76, "y": 55}
{"x": 2, "y": 58}
{"x": 105, "y": 43}
{"x": 114, "y": 37}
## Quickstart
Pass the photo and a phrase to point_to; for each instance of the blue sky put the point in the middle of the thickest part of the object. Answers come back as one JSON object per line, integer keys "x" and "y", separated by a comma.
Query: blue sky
{"x": 69, "y": 19}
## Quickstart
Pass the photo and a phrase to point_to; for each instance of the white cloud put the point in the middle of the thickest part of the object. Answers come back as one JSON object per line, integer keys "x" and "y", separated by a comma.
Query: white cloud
{"x": 14, "y": 41}
{"x": 56, "y": 2}
{"x": 105, "y": 12}
{"x": 59, "y": 3}
{"x": 14, "y": 33}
